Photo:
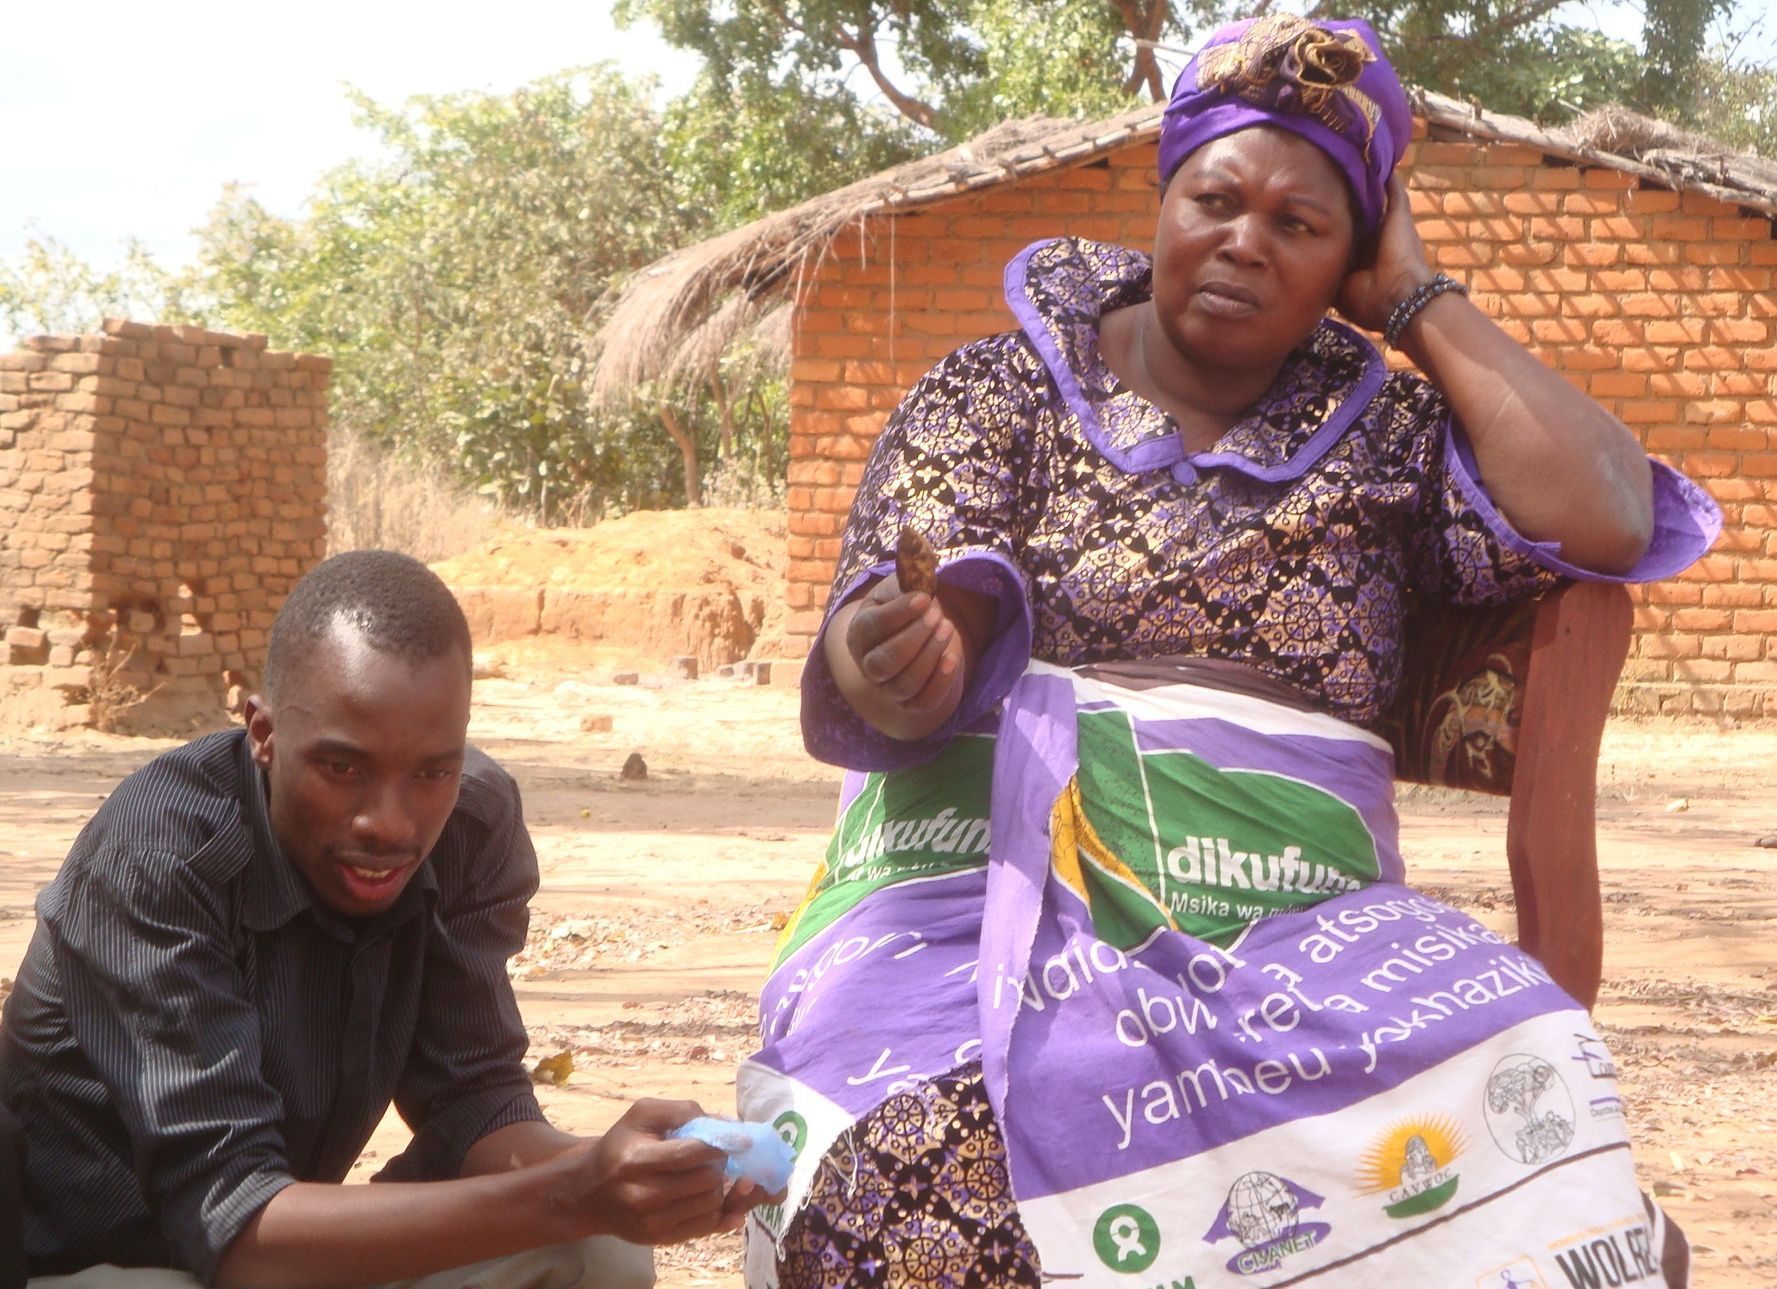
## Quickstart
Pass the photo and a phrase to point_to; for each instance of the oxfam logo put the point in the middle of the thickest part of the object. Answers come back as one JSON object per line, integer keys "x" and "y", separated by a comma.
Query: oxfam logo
{"x": 1126, "y": 1238}
{"x": 793, "y": 1128}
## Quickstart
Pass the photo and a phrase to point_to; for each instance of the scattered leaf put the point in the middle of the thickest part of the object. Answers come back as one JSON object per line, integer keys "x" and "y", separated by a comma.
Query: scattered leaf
{"x": 553, "y": 1070}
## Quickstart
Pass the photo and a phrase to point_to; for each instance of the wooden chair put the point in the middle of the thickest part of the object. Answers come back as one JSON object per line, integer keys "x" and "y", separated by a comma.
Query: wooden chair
{"x": 1513, "y": 701}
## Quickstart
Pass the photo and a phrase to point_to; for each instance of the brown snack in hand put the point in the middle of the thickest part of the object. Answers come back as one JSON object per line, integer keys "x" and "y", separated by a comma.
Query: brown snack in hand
{"x": 916, "y": 562}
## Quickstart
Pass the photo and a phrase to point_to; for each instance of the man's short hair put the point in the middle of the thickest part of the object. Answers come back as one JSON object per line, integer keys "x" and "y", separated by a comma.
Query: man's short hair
{"x": 397, "y": 604}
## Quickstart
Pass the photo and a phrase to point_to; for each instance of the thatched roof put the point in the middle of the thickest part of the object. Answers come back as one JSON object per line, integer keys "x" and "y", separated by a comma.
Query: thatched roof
{"x": 669, "y": 317}
{"x": 705, "y": 294}
{"x": 762, "y": 319}
{"x": 1679, "y": 158}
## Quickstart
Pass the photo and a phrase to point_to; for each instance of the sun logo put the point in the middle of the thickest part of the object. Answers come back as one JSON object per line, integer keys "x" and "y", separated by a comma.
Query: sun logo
{"x": 1412, "y": 1163}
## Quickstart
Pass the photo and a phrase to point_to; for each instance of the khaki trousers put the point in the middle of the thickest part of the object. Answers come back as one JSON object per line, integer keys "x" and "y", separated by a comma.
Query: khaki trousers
{"x": 603, "y": 1262}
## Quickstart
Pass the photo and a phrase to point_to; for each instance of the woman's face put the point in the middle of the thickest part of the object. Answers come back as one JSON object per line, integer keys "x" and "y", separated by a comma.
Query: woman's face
{"x": 1255, "y": 238}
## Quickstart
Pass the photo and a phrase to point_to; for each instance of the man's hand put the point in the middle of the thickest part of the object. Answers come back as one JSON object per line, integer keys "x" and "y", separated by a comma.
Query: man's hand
{"x": 637, "y": 1183}
{"x": 633, "y": 1182}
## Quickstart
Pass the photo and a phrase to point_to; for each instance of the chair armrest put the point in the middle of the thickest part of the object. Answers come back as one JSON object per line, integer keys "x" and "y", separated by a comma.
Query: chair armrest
{"x": 1579, "y": 641}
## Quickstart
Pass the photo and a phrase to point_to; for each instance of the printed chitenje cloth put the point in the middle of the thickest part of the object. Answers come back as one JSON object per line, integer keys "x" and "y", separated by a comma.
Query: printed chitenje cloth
{"x": 1224, "y": 1042}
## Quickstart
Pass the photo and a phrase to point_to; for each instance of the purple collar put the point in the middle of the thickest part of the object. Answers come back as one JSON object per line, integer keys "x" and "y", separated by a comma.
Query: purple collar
{"x": 1060, "y": 288}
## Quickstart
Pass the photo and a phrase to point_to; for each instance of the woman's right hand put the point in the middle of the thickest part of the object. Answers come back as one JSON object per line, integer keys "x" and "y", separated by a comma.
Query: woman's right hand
{"x": 907, "y": 647}
{"x": 902, "y": 659}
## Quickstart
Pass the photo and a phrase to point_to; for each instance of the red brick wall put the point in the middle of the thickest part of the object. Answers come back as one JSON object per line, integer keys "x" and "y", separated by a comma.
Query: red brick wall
{"x": 1659, "y": 304}
{"x": 161, "y": 489}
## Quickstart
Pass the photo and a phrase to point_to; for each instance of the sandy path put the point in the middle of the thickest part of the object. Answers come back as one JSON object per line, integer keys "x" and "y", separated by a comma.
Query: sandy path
{"x": 654, "y": 923}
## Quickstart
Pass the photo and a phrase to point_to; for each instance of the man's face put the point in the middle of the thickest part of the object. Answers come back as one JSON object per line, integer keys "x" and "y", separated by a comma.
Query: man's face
{"x": 363, "y": 754}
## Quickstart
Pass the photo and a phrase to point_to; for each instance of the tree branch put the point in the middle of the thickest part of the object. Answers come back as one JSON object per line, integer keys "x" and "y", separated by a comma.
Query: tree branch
{"x": 862, "y": 44}
{"x": 1513, "y": 19}
{"x": 687, "y": 452}
{"x": 1144, "y": 22}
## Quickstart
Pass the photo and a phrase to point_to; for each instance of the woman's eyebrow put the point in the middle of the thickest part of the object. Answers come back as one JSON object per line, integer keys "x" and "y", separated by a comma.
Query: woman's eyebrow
{"x": 1309, "y": 200}
{"x": 1221, "y": 174}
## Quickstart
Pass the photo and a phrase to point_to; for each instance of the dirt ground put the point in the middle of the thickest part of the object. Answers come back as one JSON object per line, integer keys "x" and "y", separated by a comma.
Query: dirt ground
{"x": 654, "y": 923}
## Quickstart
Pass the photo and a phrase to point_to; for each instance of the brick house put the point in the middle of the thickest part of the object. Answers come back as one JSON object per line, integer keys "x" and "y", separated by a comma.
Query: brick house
{"x": 1650, "y": 282}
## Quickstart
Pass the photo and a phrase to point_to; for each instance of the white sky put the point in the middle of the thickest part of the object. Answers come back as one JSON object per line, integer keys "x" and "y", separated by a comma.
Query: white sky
{"x": 127, "y": 119}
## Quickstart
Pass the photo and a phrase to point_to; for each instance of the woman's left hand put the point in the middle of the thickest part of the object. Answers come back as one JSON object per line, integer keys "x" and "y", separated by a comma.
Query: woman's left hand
{"x": 1370, "y": 293}
{"x": 1558, "y": 466}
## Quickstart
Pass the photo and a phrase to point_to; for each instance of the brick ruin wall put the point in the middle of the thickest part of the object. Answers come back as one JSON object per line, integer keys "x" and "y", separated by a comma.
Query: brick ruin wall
{"x": 161, "y": 490}
{"x": 1660, "y": 304}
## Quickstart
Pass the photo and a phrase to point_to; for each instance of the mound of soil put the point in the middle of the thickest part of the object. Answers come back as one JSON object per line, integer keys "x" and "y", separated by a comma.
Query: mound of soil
{"x": 651, "y": 586}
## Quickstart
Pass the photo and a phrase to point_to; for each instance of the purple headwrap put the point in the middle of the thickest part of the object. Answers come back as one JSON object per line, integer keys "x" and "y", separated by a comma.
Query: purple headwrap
{"x": 1326, "y": 81}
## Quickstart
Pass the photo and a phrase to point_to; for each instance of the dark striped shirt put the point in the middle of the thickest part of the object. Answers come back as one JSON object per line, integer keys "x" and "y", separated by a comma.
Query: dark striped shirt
{"x": 191, "y": 1031}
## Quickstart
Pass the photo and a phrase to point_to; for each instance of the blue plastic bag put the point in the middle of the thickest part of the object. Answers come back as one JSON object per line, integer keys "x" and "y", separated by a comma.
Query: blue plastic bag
{"x": 754, "y": 1150}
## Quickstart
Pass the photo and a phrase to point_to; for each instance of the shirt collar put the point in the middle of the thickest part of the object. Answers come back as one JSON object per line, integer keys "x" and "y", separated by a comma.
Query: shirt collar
{"x": 277, "y": 892}
{"x": 1060, "y": 289}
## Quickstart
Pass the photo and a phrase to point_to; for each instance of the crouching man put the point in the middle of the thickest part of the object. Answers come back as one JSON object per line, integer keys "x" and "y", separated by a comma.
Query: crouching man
{"x": 266, "y": 936}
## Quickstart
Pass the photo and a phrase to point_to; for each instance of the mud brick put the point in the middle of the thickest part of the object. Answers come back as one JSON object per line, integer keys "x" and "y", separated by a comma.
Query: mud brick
{"x": 109, "y": 386}
{"x": 78, "y": 363}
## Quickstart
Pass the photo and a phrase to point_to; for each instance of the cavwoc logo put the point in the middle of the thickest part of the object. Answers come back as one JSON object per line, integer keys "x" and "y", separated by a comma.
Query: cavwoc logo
{"x": 1413, "y": 1164}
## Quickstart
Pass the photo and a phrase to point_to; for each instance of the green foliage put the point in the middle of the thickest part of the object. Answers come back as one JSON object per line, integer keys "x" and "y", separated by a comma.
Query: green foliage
{"x": 959, "y": 67}
{"x": 49, "y": 289}
{"x": 1732, "y": 101}
{"x": 952, "y": 69}
{"x": 738, "y": 150}
{"x": 1058, "y": 57}
{"x": 1674, "y": 35}
{"x": 1509, "y": 56}
{"x": 754, "y": 43}
{"x": 455, "y": 275}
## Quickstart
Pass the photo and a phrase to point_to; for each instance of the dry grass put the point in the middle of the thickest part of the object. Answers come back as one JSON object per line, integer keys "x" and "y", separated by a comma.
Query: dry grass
{"x": 376, "y": 499}
{"x": 113, "y": 690}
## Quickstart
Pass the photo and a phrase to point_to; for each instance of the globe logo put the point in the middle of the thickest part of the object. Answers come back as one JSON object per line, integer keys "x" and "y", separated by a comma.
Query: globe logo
{"x": 1260, "y": 1209}
{"x": 1264, "y": 1213}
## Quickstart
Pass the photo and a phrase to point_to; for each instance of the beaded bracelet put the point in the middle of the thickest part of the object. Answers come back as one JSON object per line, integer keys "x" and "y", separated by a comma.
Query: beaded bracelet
{"x": 1405, "y": 311}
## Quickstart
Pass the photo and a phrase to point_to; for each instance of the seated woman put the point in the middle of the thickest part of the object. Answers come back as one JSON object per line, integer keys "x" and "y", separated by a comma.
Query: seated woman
{"x": 1111, "y": 974}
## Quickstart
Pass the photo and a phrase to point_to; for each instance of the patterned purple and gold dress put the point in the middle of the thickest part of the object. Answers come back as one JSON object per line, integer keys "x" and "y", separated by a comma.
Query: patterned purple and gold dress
{"x": 1116, "y": 977}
